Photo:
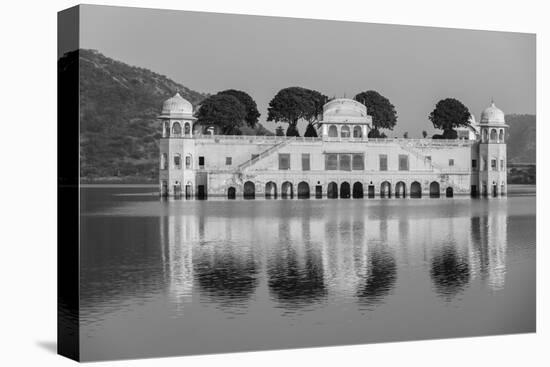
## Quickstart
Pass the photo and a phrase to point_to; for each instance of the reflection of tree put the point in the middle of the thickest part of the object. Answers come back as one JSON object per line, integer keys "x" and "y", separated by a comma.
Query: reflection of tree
{"x": 226, "y": 277}
{"x": 450, "y": 272}
{"x": 380, "y": 277}
{"x": 296, "y": 283}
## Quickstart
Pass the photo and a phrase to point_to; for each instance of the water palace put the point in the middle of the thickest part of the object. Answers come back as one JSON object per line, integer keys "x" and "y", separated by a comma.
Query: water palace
{"x": 341, "y": 163}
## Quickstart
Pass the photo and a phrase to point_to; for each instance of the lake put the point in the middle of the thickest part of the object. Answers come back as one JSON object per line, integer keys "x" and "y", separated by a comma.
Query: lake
{"x": 175, "y": 277}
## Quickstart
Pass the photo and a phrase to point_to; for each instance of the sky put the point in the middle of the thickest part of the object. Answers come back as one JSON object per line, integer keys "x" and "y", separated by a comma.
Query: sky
{"x": 414, "y": 67}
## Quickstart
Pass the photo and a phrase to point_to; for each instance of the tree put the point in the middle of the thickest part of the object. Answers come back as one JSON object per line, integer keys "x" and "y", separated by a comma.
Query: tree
{"x": 279, "y": 131}
{"x": 223, "y": 111}
{"x": 250, "y": 106}
{"x": 449, "y": 114}
{"x": 311, "y": 132}
{"x": 294, "y": 103}
{"x": 406, "y": 135}
{"x": 424, "y": 134}
{"x": 380, "y": 108}
{"x": 375, "y": 134}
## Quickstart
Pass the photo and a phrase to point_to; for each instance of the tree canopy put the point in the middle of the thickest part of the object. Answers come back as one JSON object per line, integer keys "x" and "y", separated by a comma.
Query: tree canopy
{"x": 449, "y": 114}
{"x": 223, "y": 111}
{"x": 380, "y": 109}
{"x": 294, "y": 103}
{"x": 250, "y": 106}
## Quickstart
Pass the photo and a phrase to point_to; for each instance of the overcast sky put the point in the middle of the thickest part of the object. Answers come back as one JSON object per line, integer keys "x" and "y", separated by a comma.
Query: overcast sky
{"x": 412, "y": 66}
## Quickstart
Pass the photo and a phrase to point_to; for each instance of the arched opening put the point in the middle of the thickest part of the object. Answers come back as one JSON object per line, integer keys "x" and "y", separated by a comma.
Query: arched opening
{"x": 287, "y": 191}
{"x": 449, "y": 192}
{"x": 176, "y": 129}
{"x": 495, "y": 190}
{"x": 400, "y": 190}
{"x": 332, "y": 190}
{"x": 303, "y": 190}
{"x": 344, "y": 131}
{"x": 166, "y": 129}
{"x": 434, "y": 190}
{"x": 385, "y": 189}
{"x": 249, "y": 191}
{"x": 270, "y": 190}
{"x": 231, "y": 193}
{"x": 358, "y": 190}
{"x": 357, "y": 132}
{"x": 333, "y": 131}
{"x": 416, "y": 190}
{"x": 187, "y": 129}
{"x": 484, "y": 135}
{"x": 501, "y": 136}
{"x": 370, "y": 191}
{"x": 344, "y": 190}
{"x": 493, "y": 135}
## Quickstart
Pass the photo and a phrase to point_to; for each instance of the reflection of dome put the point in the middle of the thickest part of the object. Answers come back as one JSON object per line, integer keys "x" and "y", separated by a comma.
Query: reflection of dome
{"x": 343, "y": 107}
{"x": 492, "y": 115}
{"x": 177, "y": 105}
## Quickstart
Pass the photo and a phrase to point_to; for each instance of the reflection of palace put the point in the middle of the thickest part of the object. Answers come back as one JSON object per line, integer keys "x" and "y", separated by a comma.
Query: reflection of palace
{"x": 342, "y": 162}
{"x": 300, "y": 257}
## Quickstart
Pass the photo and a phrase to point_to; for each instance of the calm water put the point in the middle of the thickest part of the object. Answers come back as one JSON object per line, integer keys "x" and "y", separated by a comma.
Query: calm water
{"x": 185, "y": 277}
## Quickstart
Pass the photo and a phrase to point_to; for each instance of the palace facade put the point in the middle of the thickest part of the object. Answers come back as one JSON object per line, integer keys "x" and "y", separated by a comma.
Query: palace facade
{"x": 341, "y": 163}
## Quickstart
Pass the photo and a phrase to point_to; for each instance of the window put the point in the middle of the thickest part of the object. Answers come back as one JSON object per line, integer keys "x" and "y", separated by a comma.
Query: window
{"x": 345, "y": 162}
{"x": 177, "y": 161}
{"x": 358, "y": 162}
{"x": 164, "y": 161}
{"x": 176, "y": 129}
{"x": 474, "y": 163}
{"x": 201, "y": 162}
{"x": 228, "y": 161}
{"x": 493, "y": 135}
{"x": 188, "y": 161}
{"x": 284, "y": 161}
{"x": 451, "y": 162}
{"x": 357, "y": 132}
{"x": 331, "y": 162}
{"x": 383, "y": 162}
{"x": 344, "y": 132}
{"x": 403, "y": 162}
{"x": 502, "y": 164}
{"x": 501, "y": 136}
{"x": 333, "y": 131}
{"x": 187, "y": 129}
{"x": 305, "y": 162}
{"x": 493, "y": 164}
{"x": 166, "y": 129}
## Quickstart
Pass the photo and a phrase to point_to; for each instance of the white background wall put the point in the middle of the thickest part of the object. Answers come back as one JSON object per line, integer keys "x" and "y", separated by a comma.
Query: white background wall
{"x": 28, "y": 235}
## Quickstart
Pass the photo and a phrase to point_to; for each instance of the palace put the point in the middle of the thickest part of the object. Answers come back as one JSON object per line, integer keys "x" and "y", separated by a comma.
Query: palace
{"x": 341, "y": 163}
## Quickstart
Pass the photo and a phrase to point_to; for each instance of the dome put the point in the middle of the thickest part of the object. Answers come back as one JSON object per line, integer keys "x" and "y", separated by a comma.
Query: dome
{"x": 492, "y": 115}
{"x": 177, "y": 105}
{"x": 344, "y": 109}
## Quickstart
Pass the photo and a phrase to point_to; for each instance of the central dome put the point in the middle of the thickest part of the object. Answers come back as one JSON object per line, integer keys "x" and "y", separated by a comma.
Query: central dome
{"x": 344, "y": 109}
{"x": 492, "y": 115}
{"x": 177, "y": 105}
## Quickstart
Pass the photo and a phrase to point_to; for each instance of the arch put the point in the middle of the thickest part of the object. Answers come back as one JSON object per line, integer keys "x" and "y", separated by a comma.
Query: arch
{"x": 416, "y": 190}
{"x": 357, "y": 132}
{"x": 484, "y": 135}
{"x": 333, "y": 131}
{"x": 344, "y": 131}
{"x": 166, "y": 129}
{"x": 249, "y": 191}
{"x": 400, "y": 190}
{"x": 493, "y": 135}
{"x": 434, "y": 189}
{"x": 286, "y": 190}
{"x": 449, "y": 192}
{"x": 332, "y": 190}
{"x": 176, "y": 129}
{"x": 231, "y": 193}
{"x": 501, "y": 136}
{"x": 357, "y": 190}
{"x": 303, "y": 190}
{"x": 344, "y": 190}
{"x": 271, "y": 190}
{"x": 187, "y": 129}
{"x": 385, "y": 189}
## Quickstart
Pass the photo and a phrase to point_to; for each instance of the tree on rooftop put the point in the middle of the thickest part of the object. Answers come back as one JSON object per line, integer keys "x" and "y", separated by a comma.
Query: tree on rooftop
{"x": 223, "y": 111}
{"x": 449, "y": 114}
{"x": 249, "y": 104}
{"x": 380, "y": 109}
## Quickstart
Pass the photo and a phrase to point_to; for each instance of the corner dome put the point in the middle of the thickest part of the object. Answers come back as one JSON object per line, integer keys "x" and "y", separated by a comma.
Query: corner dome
{"x": 176, "y": 106}
{"x": 492, "y": 115}
{"x": 344, "y": 108}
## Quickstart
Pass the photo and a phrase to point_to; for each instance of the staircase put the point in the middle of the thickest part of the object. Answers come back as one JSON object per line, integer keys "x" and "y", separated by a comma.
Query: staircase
{"x": 421, "y": 156}
{"x": 263, "y": 155}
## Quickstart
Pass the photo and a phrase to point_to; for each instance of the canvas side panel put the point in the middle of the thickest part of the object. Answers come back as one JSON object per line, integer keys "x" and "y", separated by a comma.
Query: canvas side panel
{"x": 68, "y": 184}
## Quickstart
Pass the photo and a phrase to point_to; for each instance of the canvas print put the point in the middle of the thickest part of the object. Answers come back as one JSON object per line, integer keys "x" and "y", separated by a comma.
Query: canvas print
{"x": 240, "y": 183}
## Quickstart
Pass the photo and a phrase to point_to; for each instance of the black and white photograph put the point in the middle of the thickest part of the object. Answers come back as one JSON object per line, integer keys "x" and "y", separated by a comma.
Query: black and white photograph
{"x": 252, "y": 183}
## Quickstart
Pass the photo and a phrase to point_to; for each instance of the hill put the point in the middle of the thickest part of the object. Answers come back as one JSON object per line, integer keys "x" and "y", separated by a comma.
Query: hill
{"x": 522, "y": 138}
